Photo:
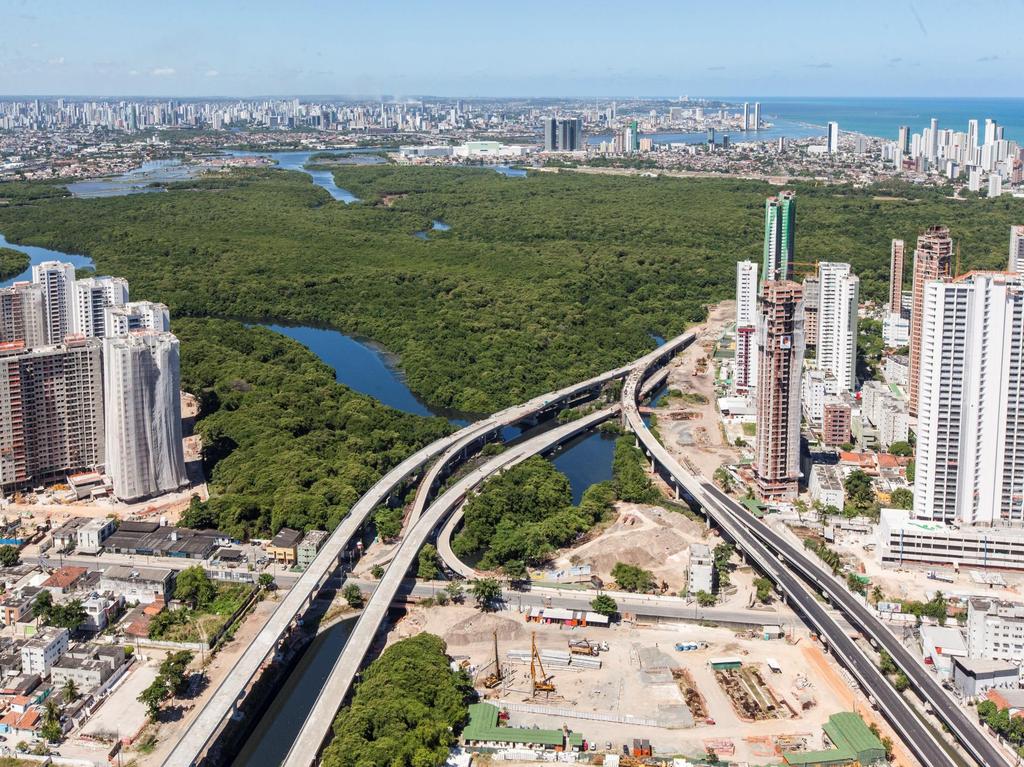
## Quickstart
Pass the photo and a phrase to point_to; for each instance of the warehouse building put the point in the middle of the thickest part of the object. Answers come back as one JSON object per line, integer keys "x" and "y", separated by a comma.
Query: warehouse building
{"x": 853, "y": 744}
{"x": 483, "y": 731}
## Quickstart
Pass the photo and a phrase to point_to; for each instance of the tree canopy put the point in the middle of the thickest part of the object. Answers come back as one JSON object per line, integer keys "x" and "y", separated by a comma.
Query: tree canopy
{"x": 406, "y": 711}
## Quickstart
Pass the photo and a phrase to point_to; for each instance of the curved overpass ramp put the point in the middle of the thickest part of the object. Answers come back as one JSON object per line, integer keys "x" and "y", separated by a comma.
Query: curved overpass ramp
{"x": 777, "y": 557}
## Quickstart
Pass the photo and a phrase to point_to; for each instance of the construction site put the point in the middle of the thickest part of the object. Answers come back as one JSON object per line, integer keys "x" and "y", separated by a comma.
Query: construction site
{"x": 647, "y": 690}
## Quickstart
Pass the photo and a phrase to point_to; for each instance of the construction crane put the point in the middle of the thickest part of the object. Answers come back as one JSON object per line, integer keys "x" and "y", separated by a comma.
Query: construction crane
{"x": 543, "y": 682}
{"x": 493, "y": 679}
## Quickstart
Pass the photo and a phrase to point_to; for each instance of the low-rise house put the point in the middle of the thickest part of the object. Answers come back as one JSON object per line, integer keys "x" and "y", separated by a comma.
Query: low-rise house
{"x": 86, "y": 673}
{"x": 16, "y": 607}
{"x": 283, "y": 547}
{"x": 40, "y": 652}
{"x": 138, "y": 584}
{"x": 63, "y": 580}
{"x": 311, "y": 544}
{"x": 152, "y": 539}
{"x": 826, "y": 486}
{"x": 23, "y": 726}
{"x": 65, "y": 537}
{"x": 93, "y": 533}
{"x": 976, "y": 676}
{"x": 100, "y": 609}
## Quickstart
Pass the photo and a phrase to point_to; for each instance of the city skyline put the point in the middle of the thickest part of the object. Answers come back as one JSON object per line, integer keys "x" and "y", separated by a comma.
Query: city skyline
{"x": 192, "y": 50}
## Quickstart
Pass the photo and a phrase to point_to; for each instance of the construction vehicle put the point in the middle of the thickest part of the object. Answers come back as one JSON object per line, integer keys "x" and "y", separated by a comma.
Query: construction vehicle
{"x": 583, "y": 647}
{"x": 541, "y": 682}
{"x": 493, "y": 679}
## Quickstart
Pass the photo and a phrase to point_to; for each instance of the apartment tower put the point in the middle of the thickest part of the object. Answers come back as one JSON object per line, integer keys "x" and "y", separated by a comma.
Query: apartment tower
{"x": 23, "y": 314}
{"x": 896, "y": 277}
{"x": 970, "y": 429}
{"x": 745, "y": 379}
{"x": 143, "y": 414}
{"x": 932, "y": 261}
{"x": 838, "y": 299}
{"x": 92, "y": 296}
{"x": 812, "y": 293}
{"x": 780, "y": 347}
{"x": 779, "y": 237}
{"x": 1016, "y": 263}
{"x": 57, "y": 280}
{"x": 51, "y": 410}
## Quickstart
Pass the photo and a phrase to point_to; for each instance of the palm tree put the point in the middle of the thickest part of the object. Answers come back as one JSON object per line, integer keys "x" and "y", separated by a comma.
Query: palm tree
{"x": 70, "y": 691}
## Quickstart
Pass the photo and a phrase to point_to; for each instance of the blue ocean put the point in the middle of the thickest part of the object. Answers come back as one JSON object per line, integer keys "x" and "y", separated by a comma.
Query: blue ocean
{"x": 883, "y": 116}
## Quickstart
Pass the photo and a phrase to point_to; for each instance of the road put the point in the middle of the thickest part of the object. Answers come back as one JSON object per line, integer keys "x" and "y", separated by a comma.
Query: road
{"x": 204, "y": 727}
{"x": 777, "y": 558}
{"x": 317, "y": 726}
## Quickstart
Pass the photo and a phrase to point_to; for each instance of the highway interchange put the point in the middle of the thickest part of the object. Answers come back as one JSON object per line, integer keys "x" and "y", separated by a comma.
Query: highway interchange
{"x": 779, "y": 559}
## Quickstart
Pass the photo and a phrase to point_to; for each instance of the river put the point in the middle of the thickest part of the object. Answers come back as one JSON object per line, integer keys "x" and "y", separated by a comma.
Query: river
{"x": 272, "y": 736}
{"x": 297, "y": 161}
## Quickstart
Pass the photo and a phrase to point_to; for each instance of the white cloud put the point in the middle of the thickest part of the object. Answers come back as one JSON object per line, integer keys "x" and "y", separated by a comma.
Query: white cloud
{"x": 56, "y": 61}
{"x": 134, "y": 73}
{"x": 212, "y": 73}
{"x": 162, "y": 71}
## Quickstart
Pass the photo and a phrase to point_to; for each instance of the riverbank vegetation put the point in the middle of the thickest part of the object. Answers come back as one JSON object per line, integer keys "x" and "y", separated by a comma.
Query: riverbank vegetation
{"x": 541, "y": 280}
{"x": 284, "y": 443}
{"x": 12, "y": 263}
{"x": 524, "y": 514}
{"x": 406, "y": 712}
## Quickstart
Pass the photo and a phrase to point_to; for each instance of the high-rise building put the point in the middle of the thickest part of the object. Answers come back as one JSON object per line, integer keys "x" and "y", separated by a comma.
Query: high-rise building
{"x": 57, "y": 279}
{"x": 92, "y": 296}
{"x": 779, "y": 237}
{"x": 757, "y": 115}
{"x": 903, "y": 140}
{"x": 746, "y": 322}
{"x": 933, "y": 259}
{"x": 143, "y": 414}
{"x": 23, "y": 314}
{"x": 570, "y": 134}
{"x": 896, "y": 277}
{"x": 1016, "y": 263}
{"x": 811, "y": 297}
{"x": 136, "y": 315}
{"x": 51, "y": 411}
{"x": 832, "y": 143}
{"x": 780, "y": 348}
{"x": 550, "y": 126}
{"x": 970, "y": 426}
{"x": 838, "y": 300}
{"x": 746, "y": 116}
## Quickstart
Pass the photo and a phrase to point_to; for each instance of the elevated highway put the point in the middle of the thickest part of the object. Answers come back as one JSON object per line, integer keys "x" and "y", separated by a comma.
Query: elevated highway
{"x": 777, "y": 558}
{"x": 203, "y": 730}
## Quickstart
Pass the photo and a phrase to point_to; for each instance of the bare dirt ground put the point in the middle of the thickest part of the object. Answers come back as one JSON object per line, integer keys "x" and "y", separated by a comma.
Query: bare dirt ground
{"x": 168, "y": 732}
{"x": 646, "y": 536}
{"x": 689, "y": 425}
{"x": 637, "y": 678}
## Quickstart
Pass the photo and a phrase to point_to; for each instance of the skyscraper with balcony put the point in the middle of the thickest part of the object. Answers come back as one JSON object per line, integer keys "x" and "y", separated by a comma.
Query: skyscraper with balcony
{"x": 932, "y": 261}
{"x": 57, "y": 280}
{"x": 143, "y": 414}
{"x": 23, "y": 314}
{"x": 780, "y": 348}
{"x": 746, "y": 322}
{"x": 896, "y": 277}
{"x": 51, "y": 411}
{"x": 779, "y": 237}
{"x": 970, "y": 428}
{"x": 838, "y": 300}
{"x": 92, "y": 296}
{"x": 136, "y": 315}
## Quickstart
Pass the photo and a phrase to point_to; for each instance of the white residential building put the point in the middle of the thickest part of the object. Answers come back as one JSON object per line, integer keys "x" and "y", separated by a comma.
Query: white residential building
{"x": 817, "y": 388}
{"x": 897, "y": 369}
{"x": 57, "y": 279}
{"x": 43, "y": 650}
{"x": 826, "y": 485}
{"x": 136, "y": 315}
{"x": 995, "y": 629}
{"x": 144, "y": 454}
{"x": 895, "y": 330}
{"x": 1016, "y": 262}
{"x": 745, "y": 377}
{"x": 838, "y": 298}
{"x": 970, "y": 432}
{"x": 887, "y": 412}
{"x": 701, "y": 572}
{"x": 144, "y": 585}
{"x": 832, "y": 141}
{"x": 92, "y": 296}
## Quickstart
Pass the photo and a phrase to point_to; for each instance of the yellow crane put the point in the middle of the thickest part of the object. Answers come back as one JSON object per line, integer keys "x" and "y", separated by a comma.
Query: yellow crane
{"x": 541, "y": 683}
{"x": 493, "y": 679}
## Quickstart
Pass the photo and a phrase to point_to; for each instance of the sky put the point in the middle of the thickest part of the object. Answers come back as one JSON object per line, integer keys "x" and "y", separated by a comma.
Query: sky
{"x": 211, "y": 48}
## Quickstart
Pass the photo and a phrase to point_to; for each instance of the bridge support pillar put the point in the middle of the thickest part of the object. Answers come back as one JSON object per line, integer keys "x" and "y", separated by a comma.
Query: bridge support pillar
{"x": 677, "y": 490}
{"x": 652, "y": 464}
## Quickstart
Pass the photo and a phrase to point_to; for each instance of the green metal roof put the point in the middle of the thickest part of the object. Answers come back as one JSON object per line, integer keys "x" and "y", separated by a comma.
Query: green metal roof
{"x": 853, "y": 740}
{"x": 483, "y": 726}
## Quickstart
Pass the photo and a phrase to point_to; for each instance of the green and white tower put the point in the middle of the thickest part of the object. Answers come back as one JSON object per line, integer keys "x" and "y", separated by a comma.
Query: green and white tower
{"x": 779, "y": 234}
